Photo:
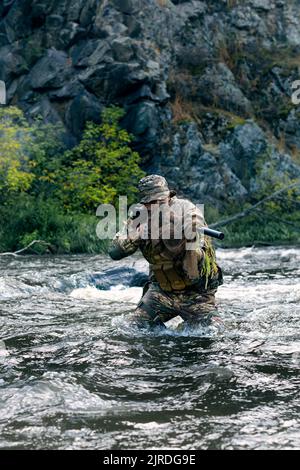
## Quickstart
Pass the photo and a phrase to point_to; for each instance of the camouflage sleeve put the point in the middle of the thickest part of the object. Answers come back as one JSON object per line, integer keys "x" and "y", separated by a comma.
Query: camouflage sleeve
{"x": 124, "y": 245}
{"x": 193, "y": 221}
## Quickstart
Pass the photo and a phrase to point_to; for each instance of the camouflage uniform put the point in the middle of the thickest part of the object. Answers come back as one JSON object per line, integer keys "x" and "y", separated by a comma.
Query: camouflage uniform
{"x": 158, "y": 306}
{"x": 182, "y": 281}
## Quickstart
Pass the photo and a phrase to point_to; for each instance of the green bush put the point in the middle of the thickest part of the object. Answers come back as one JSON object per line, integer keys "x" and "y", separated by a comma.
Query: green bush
{"x": 100, "y": 168}
{"x": 26, "y": 219}
{"x": 15, "y": 172}
{"x": 50, "y": 193}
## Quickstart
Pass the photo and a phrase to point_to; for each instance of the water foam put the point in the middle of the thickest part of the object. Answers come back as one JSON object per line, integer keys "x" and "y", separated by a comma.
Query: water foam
{"x": 115, "y": 294}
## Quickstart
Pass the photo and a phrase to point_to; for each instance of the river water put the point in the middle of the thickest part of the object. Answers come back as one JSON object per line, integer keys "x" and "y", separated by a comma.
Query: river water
{"x": 76, "y": 375}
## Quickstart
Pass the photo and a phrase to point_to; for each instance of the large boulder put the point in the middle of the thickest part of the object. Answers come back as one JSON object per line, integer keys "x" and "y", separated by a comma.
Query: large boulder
{"x": 12, "y": 64}
{"x": 218, "y": 87}
{"x": 84, "y": 107}
{"x": 242, "y": 149}
{"x": 127, "y": 276}
{"x": 51, "y": 71}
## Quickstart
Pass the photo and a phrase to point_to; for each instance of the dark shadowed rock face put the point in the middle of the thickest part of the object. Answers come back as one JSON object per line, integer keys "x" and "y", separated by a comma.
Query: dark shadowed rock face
{"x": 206, "y": 85}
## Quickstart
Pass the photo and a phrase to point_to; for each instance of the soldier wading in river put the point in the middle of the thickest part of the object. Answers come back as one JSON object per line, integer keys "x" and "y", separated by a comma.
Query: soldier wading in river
{"x": 184, "y": 275}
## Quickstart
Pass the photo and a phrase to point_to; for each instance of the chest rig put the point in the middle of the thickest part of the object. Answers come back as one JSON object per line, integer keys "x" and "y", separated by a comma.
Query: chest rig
{"x": 166, "y": 265}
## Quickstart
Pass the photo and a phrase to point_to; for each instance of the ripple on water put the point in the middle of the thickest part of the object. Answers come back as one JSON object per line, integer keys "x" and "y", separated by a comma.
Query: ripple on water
{"x": 76, "y": 375}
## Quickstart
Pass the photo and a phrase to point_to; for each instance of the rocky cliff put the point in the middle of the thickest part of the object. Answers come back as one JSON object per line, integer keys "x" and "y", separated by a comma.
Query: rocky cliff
{"x": 206, "y": 84}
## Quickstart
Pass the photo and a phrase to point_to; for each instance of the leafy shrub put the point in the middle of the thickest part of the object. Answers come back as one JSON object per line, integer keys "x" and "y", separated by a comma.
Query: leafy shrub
{"x": 26, "y": 219}
{"x": 50, "y": 193}
{"x": 15, "y": 174}
{"x": 100, "y": 168}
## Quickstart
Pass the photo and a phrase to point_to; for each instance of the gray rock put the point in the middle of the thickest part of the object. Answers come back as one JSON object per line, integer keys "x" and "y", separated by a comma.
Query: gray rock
{"x": 88, "y": 13}
{"x": 69, "y": 34}
{"x": 245, "y": 18}
{"x": 191, "y": 10}
{"x": 133, "y": 26}
{"x": 204, "y": 177}
{"x": 51, "y": 71}
{"x": 143, "y": 118}
{"x": 122, "y": 49}
{"x": 145, "y": 93}
{"x": 11, "y": 64}
{"x": 4, "y": 7}
{"x": 91, "y": 53}
{"x": 143, "y": 121}
{"x": 241, "y": 150}
{"x": 264, "y": 5}
{"x": 85, "y": 107}
{"x": 54, "y": 21}
{"x": 127, "y": 6}
{"x": 104, "y": 80}
{"x": 291, "y": 130}
{"x": 11, "y": 90}
{"x": 126, "y": 276}
{"x": 69, "y": 90}
{"x": 292, "y": 31}
{"x": 218, "y": 87}
{"x": 16, "y": 22}
{"x": 75, "y": 10}
{"x": 44, "y": 109}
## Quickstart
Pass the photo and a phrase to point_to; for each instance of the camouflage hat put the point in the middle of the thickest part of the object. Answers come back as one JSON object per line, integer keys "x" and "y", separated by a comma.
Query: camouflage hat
{"x": 153, "y": 188}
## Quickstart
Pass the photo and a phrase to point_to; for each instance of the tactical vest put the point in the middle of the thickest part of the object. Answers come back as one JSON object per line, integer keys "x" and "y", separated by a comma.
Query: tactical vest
{"x": 167, "y": 266}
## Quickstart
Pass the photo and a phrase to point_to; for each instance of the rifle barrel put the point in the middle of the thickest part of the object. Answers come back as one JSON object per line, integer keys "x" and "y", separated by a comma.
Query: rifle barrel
{"x": 213, "y": 233}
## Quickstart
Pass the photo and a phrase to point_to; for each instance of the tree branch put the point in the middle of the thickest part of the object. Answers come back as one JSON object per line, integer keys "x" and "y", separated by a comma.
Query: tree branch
{"x": 248, "y": 211}
{"x": 34, "y": 242}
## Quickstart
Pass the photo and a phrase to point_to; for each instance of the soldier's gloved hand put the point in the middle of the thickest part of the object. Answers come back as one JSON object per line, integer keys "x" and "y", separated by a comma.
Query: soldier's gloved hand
{"x": 134, "y": 232}
{"x": 138, "y": 211}
{"x": 138, "y": 222}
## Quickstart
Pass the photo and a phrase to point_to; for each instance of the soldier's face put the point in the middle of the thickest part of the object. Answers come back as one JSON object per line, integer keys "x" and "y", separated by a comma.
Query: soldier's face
{"x": 153, "y": 203}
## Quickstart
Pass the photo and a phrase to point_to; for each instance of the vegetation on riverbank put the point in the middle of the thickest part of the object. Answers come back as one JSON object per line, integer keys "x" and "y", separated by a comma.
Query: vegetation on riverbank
{"x": 256, "y": 230}
{"x": 272, "y": 219}
{"x": 48, "y": 192}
